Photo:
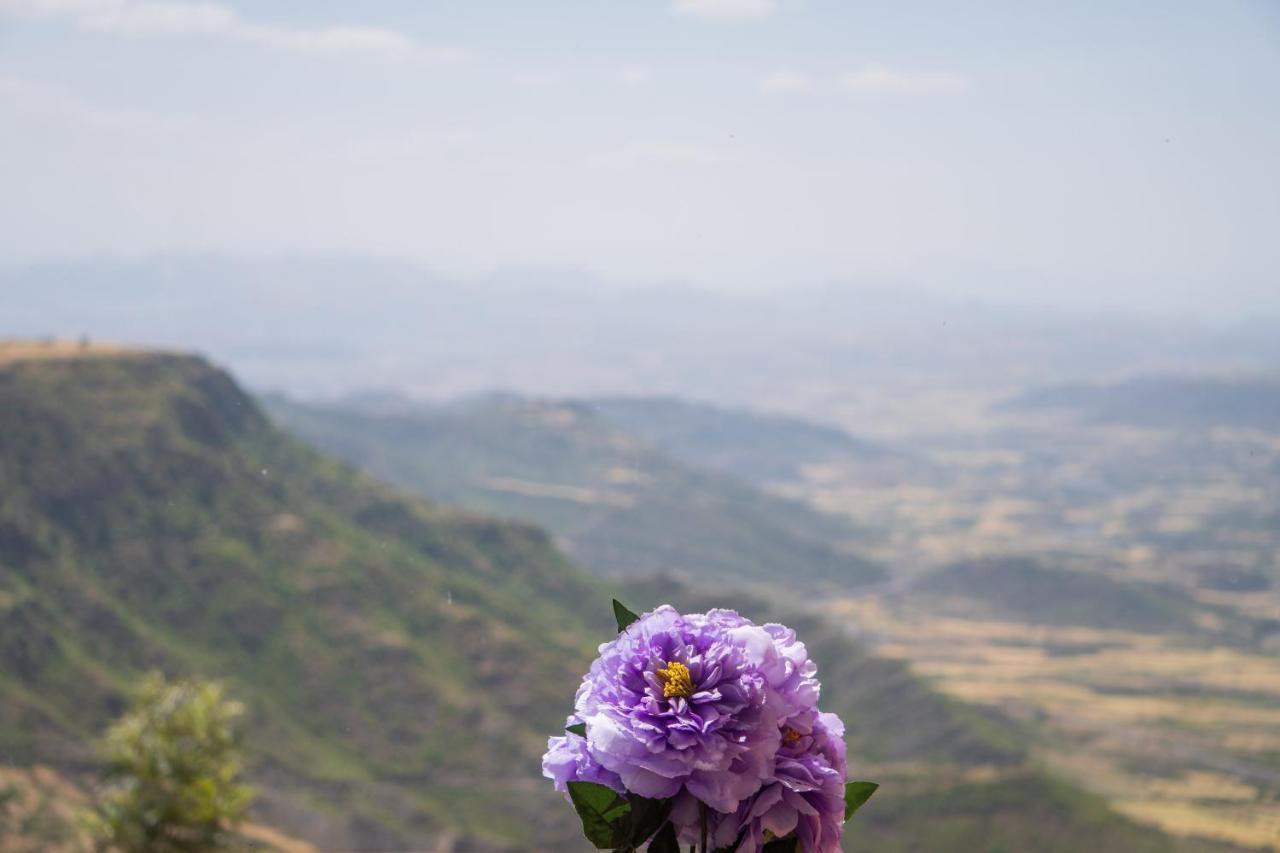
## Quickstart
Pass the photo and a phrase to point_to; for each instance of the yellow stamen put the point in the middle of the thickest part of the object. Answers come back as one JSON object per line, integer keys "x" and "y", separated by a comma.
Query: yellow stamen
{"x": 790, "y": 736}
{"x": 675, "y": 680}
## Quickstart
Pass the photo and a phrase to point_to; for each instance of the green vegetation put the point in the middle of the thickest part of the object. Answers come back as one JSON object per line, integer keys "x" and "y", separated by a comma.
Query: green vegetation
{"x": 401, "y": 664}
{"x": 620, "y": 506}
{"x": 1024, "y": 590}
{"x": 755, "y": 446}
{"x": 1052, "y": 817}
{"x": 173, "y": 771}
{"x": 395, "y": 657}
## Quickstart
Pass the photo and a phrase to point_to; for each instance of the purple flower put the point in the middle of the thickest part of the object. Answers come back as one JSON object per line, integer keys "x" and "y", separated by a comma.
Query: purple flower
{"x": 567, "y": 760}
{"x": 694, "y": 703}
{"x": 805, "y": 796}
{"x": 801, "y": 678}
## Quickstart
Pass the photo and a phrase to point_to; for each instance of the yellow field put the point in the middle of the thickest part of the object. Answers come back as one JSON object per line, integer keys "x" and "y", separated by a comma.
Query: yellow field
{"x": 27, "y": 350}
{"x": 1182, "y": 737}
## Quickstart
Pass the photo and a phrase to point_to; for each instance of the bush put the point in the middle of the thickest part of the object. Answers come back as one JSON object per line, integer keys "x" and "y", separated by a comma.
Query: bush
{"x": 173, "y": 771}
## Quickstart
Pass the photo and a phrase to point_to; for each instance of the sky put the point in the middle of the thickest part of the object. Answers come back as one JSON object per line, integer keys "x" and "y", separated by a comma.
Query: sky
{"x": 1086, "y": 154}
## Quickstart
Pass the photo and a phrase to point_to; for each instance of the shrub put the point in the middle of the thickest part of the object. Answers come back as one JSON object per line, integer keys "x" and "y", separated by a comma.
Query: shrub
{"x": 173, "y": 771}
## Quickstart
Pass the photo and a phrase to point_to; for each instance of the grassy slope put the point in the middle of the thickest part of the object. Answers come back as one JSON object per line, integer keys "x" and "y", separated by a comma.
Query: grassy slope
{"x": 619, "y": 505}
{"x": 402, "y": 663}
{"x": 756, "y": 446}
{"x": 1024, "y": 590}
{"x": 1008, "y": 814}
{"x": 396, "y": 658}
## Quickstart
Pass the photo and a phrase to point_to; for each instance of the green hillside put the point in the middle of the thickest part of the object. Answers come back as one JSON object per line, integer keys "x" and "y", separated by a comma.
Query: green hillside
{"x": 402, "y": 664}
{"x": 396, "y": 658}
{"x": 619, "y": 506}
{"x": 756, "y": 446}
{"x": 1010, "y": 813}
{"x": 1025, "y": 590}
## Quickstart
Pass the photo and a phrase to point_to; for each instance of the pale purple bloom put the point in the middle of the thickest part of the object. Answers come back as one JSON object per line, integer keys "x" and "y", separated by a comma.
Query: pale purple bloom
{"x": 805, "y": 796}
{"x": 801, "y": 683}
{"x": 567, "y": 760}
{"x": 694, "y": 703}
{"x": 720, "y": 715}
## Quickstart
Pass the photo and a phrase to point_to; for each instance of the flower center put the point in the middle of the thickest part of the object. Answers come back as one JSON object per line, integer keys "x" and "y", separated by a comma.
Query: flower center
{"x": 790, "y": 736}
{"x": 675, "y": 680}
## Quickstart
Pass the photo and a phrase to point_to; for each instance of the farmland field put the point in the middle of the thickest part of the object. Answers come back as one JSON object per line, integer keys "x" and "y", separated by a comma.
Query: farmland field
{"x": 1146, "y": 671}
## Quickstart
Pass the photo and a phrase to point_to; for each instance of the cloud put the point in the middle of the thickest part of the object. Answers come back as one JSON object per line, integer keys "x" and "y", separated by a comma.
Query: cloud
{"x": 158, "y": 18}
{"x": 636, "y": 75}
{"x": 39, "y": 98}
{"x": 726, "y": 10}
{"x": 783, "y": 82}
{"x": 536, "y": 77}
{"x": 667, "y": 152}
{"x": 881, "y": 80}
{"x": 417, "y": 142}
{"x": 332, "y": 39}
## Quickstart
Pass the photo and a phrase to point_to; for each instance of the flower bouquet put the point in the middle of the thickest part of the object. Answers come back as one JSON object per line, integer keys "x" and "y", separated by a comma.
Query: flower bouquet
{"x": 703, "y": 729}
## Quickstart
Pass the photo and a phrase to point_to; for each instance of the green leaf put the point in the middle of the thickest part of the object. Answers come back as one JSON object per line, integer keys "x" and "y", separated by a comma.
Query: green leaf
{"x": 601, "y": 810}
{"x": 577, "y": 729}
{"x": 855, "y": 794}
{"x": 665, "y": 841}
{"x": 624, "y": 616}
{"x": 645, "y": 817}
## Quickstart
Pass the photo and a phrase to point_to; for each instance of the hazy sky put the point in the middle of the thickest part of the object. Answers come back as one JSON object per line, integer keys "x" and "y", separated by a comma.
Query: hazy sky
{"x": 1078, "y": 152}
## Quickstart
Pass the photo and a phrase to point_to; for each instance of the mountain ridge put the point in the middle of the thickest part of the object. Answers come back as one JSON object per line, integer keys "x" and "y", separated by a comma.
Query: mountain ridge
{"x": 153, "y": 518}
{"x": 619, "y": 505}
{"x": 402, "y": 662}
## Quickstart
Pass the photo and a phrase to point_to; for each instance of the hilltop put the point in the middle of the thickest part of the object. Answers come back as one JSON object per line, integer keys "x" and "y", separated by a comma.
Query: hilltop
{"x": 58, "y": 349}
{"x": 396, "y": 657}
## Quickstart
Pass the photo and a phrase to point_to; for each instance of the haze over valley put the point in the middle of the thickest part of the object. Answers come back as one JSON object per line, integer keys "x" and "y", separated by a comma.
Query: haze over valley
{"x": 1070, "y": 524}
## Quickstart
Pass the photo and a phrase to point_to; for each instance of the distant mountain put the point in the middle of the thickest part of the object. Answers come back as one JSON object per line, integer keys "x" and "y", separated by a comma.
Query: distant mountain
{"x": 356, "y": 322}
{"x": 1168, "y": 402}
{"x": 397, "y": 658}
{"x": 620, "y": 506}
{"x": 1026, "y": 590}
{"x": 756, "y": 446}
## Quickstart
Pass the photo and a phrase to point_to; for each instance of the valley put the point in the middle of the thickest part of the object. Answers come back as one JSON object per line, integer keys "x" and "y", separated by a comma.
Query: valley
{"x": 1148, "y": 674}
{"x": 402, "y": 661}
{"x": 1107, "y": 586}
{"x": 367, "y": 369}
